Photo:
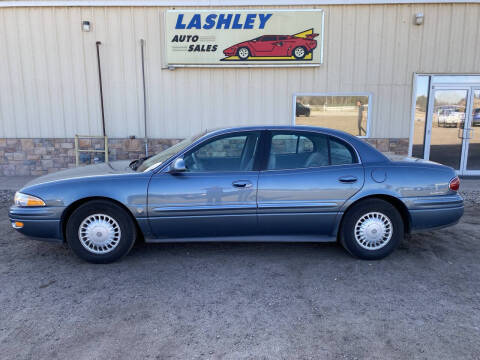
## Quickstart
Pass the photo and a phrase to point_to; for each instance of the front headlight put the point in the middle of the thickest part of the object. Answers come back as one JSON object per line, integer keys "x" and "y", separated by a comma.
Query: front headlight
{"x": 27, "y": 200}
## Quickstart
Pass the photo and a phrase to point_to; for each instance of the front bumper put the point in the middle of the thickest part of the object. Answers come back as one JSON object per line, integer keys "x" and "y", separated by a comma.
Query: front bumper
{"x": 229, "y": 52}
{"x": 41, "y": 223}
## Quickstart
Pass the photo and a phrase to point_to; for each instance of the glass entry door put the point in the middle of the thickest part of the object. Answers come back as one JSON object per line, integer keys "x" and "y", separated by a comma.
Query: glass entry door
{"x": 446, "y": 120}
{"x": 452, "y": 119}
{"x": 473, "y": 135}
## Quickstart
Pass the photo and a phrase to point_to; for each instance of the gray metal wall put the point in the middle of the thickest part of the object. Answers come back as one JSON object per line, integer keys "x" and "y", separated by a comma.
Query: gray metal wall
{"x": 49, "y": 86}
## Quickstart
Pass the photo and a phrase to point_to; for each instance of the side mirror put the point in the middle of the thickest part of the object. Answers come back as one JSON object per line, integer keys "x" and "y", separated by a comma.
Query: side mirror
{"x": 177, "y": 166}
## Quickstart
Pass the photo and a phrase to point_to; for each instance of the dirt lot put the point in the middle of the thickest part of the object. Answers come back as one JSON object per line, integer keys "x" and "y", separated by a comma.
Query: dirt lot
{"x": 272, "y": 301}
{"x": 345, "y": 121}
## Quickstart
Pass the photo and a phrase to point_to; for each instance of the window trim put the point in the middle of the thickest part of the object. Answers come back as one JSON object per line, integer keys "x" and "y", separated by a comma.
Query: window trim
{"x": 365, "y": 93}
{"x": 268, "y": 140}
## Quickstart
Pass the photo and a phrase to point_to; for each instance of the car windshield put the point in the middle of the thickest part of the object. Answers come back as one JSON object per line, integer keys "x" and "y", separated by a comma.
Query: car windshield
{"x": 155, "y": 160}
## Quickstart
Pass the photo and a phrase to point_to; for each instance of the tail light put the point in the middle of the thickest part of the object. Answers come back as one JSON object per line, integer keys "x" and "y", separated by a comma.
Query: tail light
{"x": 454, "y": 184}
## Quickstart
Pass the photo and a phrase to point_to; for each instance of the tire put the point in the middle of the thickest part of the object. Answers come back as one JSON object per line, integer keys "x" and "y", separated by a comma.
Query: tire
{"x": 299, "y": 52}
{"x": 372, "y": 213}
{"x": 115, "y": 229}
{"x": 243, "y": 53}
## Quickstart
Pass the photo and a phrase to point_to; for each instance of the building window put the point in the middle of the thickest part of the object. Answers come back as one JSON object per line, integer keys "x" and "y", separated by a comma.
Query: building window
{"x": 346, "y": 112}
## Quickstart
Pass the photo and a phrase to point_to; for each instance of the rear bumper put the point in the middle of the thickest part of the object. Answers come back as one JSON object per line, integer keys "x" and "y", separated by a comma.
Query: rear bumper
{"x": 41, "y": 223}
{"x": 435, "y": 218}
{"x": 427, "y": 213}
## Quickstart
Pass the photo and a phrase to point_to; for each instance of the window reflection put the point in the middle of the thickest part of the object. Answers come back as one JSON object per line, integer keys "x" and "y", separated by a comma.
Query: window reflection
{"x": 421, "y": 103}
{"x": 447, "y": 126}
{"x": 346, "y": 113}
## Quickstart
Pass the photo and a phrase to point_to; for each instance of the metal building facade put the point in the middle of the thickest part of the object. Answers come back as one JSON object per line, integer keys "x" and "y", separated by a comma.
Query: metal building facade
{"x": 49, "y": 84}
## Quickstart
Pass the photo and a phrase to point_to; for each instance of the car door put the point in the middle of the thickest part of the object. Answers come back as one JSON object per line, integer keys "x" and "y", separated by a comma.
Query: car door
{"x": 282, "y": 46}
{"x": 216, "y": 196}
{"x": 307, "y": 178}
{"x": 264, "y": 46}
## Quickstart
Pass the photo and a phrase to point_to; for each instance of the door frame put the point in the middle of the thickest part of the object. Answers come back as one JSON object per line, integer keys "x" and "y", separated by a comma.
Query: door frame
{"x": 468, "y": 131}
{"x": 470, "y": 87}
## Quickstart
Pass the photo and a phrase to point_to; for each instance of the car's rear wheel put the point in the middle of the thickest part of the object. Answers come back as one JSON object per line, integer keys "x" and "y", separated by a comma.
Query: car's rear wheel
{"x": 372, "y": 229}
{"x": 299, "y": 52}
{"x": 243, "y": 53}
{"x": 100, "y": 231}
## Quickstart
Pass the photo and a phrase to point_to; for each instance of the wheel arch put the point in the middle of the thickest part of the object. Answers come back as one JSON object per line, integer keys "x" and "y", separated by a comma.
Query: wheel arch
{"x": 71, "y": 208}
{"x": 397, "y": 203}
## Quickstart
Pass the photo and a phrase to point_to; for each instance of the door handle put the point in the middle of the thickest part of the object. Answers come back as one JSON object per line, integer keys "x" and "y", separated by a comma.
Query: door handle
{"x": 469, "y": 133}
{"x": 242, "y": 184}
{"x": 348, "y": 179}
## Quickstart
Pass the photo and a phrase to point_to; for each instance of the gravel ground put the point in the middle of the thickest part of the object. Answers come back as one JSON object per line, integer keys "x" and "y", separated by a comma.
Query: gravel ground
{"x": 221, "y": 300}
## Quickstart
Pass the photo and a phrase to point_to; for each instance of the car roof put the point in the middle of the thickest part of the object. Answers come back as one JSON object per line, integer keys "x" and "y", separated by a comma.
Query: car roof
{"x": 366, "y": 152}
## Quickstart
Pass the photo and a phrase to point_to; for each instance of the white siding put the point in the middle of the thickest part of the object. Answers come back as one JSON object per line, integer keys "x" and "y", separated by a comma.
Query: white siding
{"x": 49, "y": 86}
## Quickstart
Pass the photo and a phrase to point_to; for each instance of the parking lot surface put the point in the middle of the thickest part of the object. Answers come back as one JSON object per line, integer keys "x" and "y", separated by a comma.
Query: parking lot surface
{"x": 243, "y": 300}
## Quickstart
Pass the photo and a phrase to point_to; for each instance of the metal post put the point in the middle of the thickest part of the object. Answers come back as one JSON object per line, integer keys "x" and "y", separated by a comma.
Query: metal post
{"x": 105, "y": 147}
{"x": 101, "y": 87}
{"x": 142, "y": 49}
{"x": 77, "y": 153}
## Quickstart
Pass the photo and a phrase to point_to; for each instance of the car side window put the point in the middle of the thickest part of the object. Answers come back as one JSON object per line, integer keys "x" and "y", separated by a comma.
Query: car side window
{"x": 300, "y": 150}
{"x": 227, "y": 153}
{"x": 290, "y": 144}
{"x": 341, "y": 153}
{"x": 296, "y": 150}
{"x": 269, "y": 38}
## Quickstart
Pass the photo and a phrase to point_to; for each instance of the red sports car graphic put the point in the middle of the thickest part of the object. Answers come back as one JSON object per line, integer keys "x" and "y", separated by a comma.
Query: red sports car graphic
{"x": 269, "y": 47}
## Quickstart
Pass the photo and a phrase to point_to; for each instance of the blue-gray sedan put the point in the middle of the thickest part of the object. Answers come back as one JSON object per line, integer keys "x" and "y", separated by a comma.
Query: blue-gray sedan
{"x": 243, "y": 184}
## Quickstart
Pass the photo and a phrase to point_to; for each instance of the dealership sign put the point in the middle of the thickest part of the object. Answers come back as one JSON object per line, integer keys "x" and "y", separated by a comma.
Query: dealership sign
{"x": 244, "y": 37}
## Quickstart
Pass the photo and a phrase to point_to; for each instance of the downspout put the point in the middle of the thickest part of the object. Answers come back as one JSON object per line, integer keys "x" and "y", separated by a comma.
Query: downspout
{"x": 142, "y": 49}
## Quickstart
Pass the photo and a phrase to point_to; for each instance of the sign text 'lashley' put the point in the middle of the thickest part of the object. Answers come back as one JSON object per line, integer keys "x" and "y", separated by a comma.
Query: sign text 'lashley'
{"x": 225, "y": 21}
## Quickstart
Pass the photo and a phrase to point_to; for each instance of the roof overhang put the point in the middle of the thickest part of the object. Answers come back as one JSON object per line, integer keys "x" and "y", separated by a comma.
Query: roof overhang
{"x": 217, "y": 3}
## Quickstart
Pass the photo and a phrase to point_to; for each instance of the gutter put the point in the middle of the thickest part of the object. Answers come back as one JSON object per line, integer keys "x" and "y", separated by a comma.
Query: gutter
{"x": 208, "y": 3}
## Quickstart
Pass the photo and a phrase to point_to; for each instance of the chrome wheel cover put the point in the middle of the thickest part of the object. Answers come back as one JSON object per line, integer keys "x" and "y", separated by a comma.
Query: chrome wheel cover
{"x": 243, "y": 53}
{"x": 373, "y": 231}
{"x": 99, "y": 233}
{"x": 299, "y": 52}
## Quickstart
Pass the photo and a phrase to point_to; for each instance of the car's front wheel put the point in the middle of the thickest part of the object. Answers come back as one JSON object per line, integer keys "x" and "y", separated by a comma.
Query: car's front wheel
{"x": 100, "y": 231}
{"x": 243, "y": 53}
{"x": 372, "y": 229}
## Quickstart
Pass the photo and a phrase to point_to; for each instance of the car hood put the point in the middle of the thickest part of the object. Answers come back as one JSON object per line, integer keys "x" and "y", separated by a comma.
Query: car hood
{"x": 243, "y": 43}
{"x": 112, "y": 168}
